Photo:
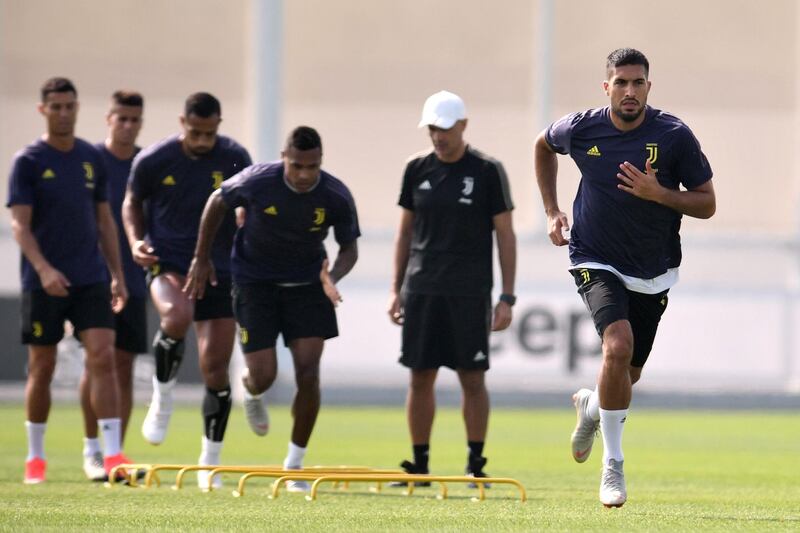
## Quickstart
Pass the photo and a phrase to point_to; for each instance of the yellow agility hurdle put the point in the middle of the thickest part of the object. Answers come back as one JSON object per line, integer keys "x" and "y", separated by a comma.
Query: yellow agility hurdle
{"x": 131, "y": 472}
{"x": 308, "y": 474}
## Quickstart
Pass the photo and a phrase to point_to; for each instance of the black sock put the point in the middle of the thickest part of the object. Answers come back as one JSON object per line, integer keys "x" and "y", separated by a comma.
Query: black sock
{"x": 475, "y": 448}
{"x": 169, "y": 354}
{"x": 421, "y": 456}
{"x": 216, "y": 408}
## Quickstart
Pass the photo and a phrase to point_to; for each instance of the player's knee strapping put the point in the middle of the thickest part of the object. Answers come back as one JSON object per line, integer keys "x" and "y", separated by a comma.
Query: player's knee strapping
{"x": 216, "y": 409}
{"x": 169, "y": 354}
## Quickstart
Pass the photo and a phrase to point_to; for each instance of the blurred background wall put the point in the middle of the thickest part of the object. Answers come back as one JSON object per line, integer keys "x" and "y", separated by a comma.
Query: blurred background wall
{"x": 359, "y": 71}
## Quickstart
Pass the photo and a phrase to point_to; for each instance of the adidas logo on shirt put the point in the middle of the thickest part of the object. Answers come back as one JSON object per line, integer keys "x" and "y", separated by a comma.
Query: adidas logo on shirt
{"x": 480, "y": 356}
{"x": 594, "y": 150}
{"x": 48, "y": 174}
{"x": 271, "y": 210}
{"x": 169, "y": 180}
{"x": 425, "y": 185}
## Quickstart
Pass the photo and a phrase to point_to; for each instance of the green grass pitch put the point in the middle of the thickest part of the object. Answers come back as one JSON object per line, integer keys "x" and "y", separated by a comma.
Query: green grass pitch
{"x": 686, "y": 471}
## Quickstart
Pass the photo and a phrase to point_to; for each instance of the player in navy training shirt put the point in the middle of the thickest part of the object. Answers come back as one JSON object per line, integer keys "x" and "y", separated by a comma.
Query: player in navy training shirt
{"x": 173, "y": 179}
{"x": 124, "y": 121}
{"x": 641, "y": 170}
{"x": 280, "y": 273}
{"x": 60, "y": 215}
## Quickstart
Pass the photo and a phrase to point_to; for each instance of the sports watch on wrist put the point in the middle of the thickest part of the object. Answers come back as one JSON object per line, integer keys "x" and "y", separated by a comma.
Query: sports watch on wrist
{"x": 510, "y": 299}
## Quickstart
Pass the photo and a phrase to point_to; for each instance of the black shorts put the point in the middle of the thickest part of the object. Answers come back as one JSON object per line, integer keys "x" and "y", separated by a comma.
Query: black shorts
{"x": 216, "y": 301}
{"x": 608, "y": 301}
{"x": 131, "y": 327}
{"x": 263, "y": 310}
{"x": 43, "y": 316}
{"x": 445, "y": 330}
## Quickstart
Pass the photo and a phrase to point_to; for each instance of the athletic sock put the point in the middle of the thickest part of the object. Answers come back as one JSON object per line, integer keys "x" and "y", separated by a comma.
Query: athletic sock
{"x": 611, "y": 425}
{"x": 294, "y": 457}
{"x": 216, "y": 409}
{"x": 475, "y": 448}
{"x": 169, "y": 354}
{"x": 110, "y": 430}
{"x": 35, "y": 432}
{"x": 210, "y": 451}
{"x": 421, "y": 454}
{"x": 593, "y": 406}
{"x": 91, "y": 447}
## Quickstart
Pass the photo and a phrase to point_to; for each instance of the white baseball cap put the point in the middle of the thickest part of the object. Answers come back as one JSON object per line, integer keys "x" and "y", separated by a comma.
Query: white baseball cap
{"x": 442, "y": 110}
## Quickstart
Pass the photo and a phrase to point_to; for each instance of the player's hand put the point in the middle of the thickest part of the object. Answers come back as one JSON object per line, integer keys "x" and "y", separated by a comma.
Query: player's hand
{"x": 119, "y": 294}
{"x": 328, "y": 285}
{"x": 502, "y": 316}
{"x": 53, "y": 281}
{"x": 643, "y": 185}
{"x": 201, "y": 271}
{"x": 143, "y": 254}
{"x": 396, "y": 313}
{"x": 558, "y": 228}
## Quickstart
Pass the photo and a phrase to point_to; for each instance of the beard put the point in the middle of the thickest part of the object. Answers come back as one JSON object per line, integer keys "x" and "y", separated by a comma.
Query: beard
{"x": 627, "y": 116}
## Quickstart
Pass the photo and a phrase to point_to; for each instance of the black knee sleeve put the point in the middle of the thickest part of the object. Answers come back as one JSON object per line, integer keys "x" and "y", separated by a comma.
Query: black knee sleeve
{"x": 216, "y": 409}
{"x": 169, "y": 354}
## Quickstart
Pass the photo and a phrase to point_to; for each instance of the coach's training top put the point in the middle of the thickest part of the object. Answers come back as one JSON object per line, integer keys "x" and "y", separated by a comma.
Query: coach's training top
{"x": 454, "y": 205}
{"x": 282, "y": 237}
{"x": 118, "y": 171}
{"x": 613, "y": 227}
{"x": 62, "y": 189}
{"x": 176, "y": 188}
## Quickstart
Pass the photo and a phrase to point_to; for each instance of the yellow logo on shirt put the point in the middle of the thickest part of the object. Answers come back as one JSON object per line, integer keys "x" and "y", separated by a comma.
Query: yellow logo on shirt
{"x": 319, "y": 215}
{"x": 169, "y": 180}
{"x": 244, "y": 336}
{"x": 217, "y": 176}
{"x": 594, "y": 150}
{"x": 89, "y": 171}
{"x": 271, "y": 210}
{"x": 48, "y": 174}
{"x": 38, "y": 330}
{"x": 652, "y": 152}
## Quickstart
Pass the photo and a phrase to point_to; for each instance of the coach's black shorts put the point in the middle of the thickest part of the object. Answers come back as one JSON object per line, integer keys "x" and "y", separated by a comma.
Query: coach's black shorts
{"x": 216, "y": 301}
{"x": 263, "y": 310}
{"x": 608, "y": 301}
{"x": 131, "y": 326}
{"x": 446, "y": 330}
{"x": 43, "y": 316}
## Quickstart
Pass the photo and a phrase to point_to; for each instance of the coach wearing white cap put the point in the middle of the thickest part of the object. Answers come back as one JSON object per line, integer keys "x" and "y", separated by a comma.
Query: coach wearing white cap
{"x": 453, "y": 199}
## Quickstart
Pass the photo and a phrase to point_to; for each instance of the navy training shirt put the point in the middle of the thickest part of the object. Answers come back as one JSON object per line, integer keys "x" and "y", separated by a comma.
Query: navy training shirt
{"x": 118, "y": 171}
{"x": 175, "y": 189}
{"x": 283, "y": 236}
{"x": 638, "y": 237}
{"x": 62, "y": 189}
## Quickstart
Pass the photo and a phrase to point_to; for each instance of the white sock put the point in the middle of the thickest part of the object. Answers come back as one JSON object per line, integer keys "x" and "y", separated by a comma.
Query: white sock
{"x": 294, "y": 458}
{"x": 35, "y": 439}
{"x": 611, "y": 425}
{"x": 91, "y": 446}
{"x": 164, "y": 389}
{"x": 110, "y": 429}
{"x": 210, "y": 452}
{"x": 593, "y": 405}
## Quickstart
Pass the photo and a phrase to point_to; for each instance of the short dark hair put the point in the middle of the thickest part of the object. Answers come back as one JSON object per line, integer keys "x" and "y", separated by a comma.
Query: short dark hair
{"x": 202, "y": 105}
{"x": 126, "y": 97}
{"x": 304, "y": 138}
{"x": 626, "y": 56}
{"x": 57, "y": 85}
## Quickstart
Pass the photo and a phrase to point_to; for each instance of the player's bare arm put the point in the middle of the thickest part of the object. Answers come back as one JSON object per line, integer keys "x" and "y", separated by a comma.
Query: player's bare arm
{"x": 699, "y": 202}
{"x": 344, "y": 262}
{"x": 53, "y": 281}
{"x": 133, "y": 220}
{"x": 201, "y": 270}
{"x": 545, "y": 162}
{"x": 402, "y": 246}
{"x": 108, "y": 239}
{"x": 507, "y": 255}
